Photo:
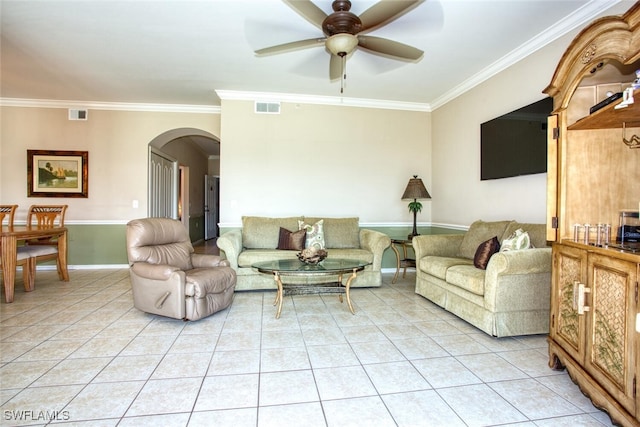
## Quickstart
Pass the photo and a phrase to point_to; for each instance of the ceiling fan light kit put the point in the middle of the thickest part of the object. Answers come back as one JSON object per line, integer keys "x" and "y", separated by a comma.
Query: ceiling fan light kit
{"x": 342, "y": 29}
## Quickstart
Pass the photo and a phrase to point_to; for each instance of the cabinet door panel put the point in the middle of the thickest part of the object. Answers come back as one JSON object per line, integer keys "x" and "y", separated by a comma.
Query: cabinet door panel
{"x": 567, "y": 327}
{"x": 611, "y": 326}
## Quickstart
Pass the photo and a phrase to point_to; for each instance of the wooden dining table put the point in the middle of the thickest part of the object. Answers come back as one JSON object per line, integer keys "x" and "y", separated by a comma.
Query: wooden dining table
{"x": 9, "y": 239}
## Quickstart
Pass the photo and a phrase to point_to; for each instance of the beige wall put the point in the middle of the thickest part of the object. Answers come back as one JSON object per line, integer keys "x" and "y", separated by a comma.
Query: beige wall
{"x": 322, "y": 161}
{"x": 462, "y": 196}
{"x": 117, "y": 142}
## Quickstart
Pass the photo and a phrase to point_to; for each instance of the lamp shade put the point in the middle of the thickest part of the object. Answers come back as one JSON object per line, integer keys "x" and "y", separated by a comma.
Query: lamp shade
{"x": 415, "y": 189}
{"x": 341, "y": 44}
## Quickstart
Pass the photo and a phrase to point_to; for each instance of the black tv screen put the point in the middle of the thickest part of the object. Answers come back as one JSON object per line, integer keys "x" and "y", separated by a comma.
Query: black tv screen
{"x": 515, "y": 144}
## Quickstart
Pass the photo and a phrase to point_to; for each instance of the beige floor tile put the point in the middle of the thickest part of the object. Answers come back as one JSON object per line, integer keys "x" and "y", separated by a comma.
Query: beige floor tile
{"x": 245, "y": 417}
{"x": 445, "y": 372}
{"x": 179, "y": 365}
{"x": 294, "y": 415}
{"x": 282, "y": 388}
{"x": 400, "y": 360}
{"x": 490, "y": 367}
{"x": 104, "y": 400}
{"x": 332, "y": 356}
{"x": 129, "y": 368}
{"x": 421, "y": 408}
{"x": 166, "y": 396}
{"x": 343, "y": 382}
{"x": 284, "y": 359}
{"x": 479, "y": 405}
{"x": 533, "y": 399}
{"x": 396, "y": 377}
{"x": 234, "y": 362}
{"x": 228, "y": 392}
{"x": 73, "y": 371}
{"x": 364, "y": 411}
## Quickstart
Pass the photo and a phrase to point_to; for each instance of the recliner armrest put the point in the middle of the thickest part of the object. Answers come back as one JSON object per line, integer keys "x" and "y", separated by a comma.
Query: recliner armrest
{"x": 206, "y": 260}
{"x": 153, "y": 271}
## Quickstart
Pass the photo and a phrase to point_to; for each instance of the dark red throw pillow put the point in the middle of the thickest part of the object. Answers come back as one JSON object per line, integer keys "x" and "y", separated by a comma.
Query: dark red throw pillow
{"x": 484, "y": 252}
{"x": 291, "y": 241}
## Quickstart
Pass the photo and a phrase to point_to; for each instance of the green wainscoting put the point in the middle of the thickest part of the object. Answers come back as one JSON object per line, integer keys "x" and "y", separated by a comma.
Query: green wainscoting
{"x": 97, "y": 244}
{"x": 104, "y": 244}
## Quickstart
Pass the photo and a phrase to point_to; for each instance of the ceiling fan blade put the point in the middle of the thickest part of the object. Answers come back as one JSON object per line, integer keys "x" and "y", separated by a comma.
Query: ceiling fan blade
{"x": 335, "y": 68}
{"x": 384, "y": 12}
{"x": 286, "y": 47}
{"x": 308, "y": 11}
{"x": 390, "y": 48}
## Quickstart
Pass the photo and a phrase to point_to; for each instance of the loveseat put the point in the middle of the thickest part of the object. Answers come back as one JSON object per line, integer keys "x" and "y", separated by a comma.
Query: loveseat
{"x": 259, "y": 238}
{"x": 509, "y": 297}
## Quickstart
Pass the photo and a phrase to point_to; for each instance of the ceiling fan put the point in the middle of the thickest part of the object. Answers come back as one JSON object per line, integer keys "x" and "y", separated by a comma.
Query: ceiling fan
{"x": 344, "y": 32}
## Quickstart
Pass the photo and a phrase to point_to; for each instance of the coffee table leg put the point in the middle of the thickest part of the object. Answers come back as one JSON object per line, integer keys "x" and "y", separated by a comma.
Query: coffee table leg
{"x": 348, "y": 290}
{"x": 279, "y": 293}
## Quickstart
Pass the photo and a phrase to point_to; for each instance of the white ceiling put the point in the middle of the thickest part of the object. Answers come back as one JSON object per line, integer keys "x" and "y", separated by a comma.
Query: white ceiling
{"x": 182, "y": 52}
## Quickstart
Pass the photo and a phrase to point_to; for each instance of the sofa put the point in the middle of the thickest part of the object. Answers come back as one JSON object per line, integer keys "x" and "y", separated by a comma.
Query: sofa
{"x": 503, "y": 293}
{"x": 259, "y": 239}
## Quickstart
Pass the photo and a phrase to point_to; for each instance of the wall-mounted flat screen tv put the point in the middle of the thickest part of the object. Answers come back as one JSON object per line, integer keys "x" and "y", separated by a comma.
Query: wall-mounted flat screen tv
{"x": 516, "y": 143}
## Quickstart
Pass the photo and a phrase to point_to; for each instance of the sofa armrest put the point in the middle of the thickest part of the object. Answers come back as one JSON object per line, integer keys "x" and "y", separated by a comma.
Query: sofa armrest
{"x": 206, "y": 260}
{"x": 231, "y": 244}
{"x": 518, "y": 280}
{"x": 445, "y": 245}
{"x": 375, "y": 242}
{"x": 528, "y": 261}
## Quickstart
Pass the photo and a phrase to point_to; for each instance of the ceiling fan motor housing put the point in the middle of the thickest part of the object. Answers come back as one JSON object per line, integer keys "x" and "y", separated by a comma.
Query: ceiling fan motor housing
{"x": 341, "y": 20}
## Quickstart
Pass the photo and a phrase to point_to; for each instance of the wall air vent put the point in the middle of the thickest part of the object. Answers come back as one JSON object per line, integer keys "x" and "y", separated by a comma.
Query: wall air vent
{"x": 77, "y": 114}
{"x": 267, "y": 107}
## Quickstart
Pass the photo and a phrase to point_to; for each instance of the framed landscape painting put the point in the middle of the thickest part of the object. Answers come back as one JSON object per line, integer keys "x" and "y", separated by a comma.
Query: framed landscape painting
{"x": 57, "y": 173}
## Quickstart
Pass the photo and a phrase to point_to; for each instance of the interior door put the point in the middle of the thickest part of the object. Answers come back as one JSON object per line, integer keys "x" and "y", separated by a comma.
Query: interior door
{"x": 211, "y": 209}
{"x": 163, "y": 185}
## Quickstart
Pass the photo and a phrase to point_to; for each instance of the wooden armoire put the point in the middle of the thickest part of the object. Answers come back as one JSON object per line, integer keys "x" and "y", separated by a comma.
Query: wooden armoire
{"x": 593, "y": 175}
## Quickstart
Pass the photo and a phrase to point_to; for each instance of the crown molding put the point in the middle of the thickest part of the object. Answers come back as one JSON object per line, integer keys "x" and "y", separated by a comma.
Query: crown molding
{"x": 321, "y": 100}
{"x": 580, "y": 17}
{"x": 117, "y": 106}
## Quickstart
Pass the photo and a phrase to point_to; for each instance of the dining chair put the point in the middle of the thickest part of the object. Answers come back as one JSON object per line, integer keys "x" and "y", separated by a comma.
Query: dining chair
{"x": 46, "y": 248}
{"x": 23, "y": 257}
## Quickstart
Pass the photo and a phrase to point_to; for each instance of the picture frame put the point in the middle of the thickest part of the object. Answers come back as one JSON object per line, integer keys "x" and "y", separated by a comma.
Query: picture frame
{"x": 57, "y": 173}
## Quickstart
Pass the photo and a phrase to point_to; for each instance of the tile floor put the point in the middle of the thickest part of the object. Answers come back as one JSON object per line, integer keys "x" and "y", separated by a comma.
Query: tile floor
{"x": 78, "y": 353}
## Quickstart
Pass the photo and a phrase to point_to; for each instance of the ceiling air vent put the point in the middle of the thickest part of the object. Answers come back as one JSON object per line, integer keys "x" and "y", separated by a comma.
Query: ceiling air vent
{"x": 268, "y": 107}
{"x": 77, "y": 114}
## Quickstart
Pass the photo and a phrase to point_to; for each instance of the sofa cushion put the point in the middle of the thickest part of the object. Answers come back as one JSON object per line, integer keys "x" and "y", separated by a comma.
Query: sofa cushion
{"x": 479, "y": 232}
{"x": 262, "y": 232}
{"x": 291, "y": 241}
{"x": 484, "y": 252}
{"x": 438, "y": 265}
{"x": 315, "y": 233}
{"x": 537, "y": 233}
{"x": 339, "y": 233}
{"x": 249, "y": 257}
{"x": 466, "y": 277}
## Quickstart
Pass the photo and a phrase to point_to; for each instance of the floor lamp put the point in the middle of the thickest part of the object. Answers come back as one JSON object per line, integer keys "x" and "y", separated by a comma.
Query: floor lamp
{"x": 415, "y": 190}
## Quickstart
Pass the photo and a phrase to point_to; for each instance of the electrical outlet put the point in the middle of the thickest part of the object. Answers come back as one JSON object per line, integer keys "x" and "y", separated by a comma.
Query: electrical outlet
{"x": 135, "y": 204}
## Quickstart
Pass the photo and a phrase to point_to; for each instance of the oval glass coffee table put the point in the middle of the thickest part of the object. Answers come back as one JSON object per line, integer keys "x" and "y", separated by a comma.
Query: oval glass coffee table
{"x": 329, "y": 267}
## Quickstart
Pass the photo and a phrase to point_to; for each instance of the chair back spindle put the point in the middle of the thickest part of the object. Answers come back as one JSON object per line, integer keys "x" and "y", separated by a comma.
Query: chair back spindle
{"x": 7, "y": 212}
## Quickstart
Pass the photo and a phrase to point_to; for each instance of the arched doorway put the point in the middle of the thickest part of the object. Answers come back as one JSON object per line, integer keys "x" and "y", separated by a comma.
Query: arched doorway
{"x": 189, "y": 159}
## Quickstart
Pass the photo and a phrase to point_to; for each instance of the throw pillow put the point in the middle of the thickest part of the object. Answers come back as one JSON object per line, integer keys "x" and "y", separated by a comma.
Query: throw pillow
{"x": 517, "y": 241}
{"x": 315, "y": 234}
{"x": 291, "y": 241}
{"x": 484, "y": 252}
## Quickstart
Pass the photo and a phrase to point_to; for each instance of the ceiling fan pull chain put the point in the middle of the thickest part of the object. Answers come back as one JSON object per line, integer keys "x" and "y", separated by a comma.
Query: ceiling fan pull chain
{"x": 344, "y": 73}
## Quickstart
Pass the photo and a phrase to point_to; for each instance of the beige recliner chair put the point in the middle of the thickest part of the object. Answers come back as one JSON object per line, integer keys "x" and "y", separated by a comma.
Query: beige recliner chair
{"x": 168, "y": 278}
